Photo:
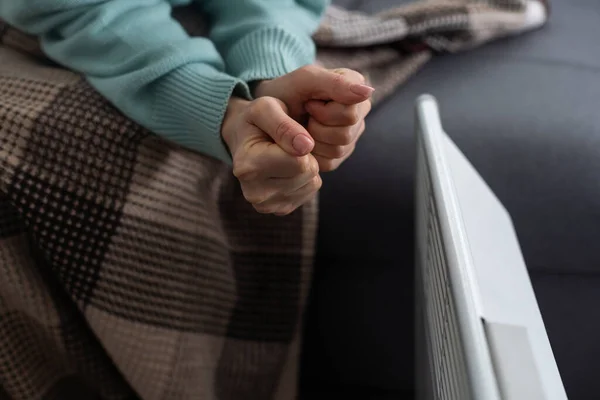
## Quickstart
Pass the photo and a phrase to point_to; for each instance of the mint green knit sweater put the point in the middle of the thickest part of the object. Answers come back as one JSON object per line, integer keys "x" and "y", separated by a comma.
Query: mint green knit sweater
{"x": 142, "y": 60}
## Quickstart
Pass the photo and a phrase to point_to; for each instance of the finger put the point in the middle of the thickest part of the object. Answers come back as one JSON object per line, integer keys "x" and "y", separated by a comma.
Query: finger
{"x": 287, "y": 186}
{"x": 331, "y": 164}
{"x": 270, "y": 115}
{"x": 298, "y": 203}
{"x": 284, "y": 204}
{"x": 339, "y": 152}
{"x": 304, "y": 200}
{"x": 276, "y": 164}
{"x": 333, "y": 113}
{"x": 326, "y": 150}
{"x": 345, "y": 87}
{"x": 333, "y": 135}
{"x": 310, "y": 188}
{"x": 365, "y": 108}
{"x": 268, "y": 160}
{"x": 262, "y": 190}
{"x": 350, "y": 74}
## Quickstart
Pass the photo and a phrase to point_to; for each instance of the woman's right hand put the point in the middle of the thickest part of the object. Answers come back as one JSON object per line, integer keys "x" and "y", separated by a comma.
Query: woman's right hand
{"x": 271, "y": 155}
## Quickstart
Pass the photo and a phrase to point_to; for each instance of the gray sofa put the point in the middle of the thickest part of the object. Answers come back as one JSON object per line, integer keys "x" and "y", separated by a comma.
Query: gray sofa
{"x": 526, "y": 112}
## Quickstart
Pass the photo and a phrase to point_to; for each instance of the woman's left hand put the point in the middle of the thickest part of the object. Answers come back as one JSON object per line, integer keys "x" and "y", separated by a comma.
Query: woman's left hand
{"x": 332, "y": 103}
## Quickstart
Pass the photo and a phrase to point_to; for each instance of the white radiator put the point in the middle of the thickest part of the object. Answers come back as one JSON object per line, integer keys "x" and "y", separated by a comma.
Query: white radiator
{"x": 479, "y": 331}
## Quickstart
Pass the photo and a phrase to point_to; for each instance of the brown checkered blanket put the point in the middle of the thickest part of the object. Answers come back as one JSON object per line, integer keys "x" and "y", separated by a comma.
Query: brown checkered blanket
{"x": 131, "y": 268}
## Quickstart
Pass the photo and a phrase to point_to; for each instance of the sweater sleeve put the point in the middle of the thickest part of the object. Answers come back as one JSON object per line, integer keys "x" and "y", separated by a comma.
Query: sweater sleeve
{"x": 264, "y": 39}
{"x": 141, "y": 60}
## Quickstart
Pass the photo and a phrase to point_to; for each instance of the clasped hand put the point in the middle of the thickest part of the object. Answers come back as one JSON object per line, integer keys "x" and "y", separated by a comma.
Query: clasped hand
{"x": 276, "y": 158}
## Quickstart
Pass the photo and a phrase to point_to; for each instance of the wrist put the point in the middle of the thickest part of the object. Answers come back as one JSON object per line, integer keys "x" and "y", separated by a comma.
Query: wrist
{"x": 257, "y": 88}
{"x": 229, "y": 129}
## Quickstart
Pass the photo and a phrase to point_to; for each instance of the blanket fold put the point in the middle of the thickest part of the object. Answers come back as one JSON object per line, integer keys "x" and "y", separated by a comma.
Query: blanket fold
{"x": 131, "y": 268}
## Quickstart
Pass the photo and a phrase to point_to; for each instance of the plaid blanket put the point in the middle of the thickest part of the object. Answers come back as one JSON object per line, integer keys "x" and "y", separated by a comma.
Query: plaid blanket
{"x": 131, "y": 268}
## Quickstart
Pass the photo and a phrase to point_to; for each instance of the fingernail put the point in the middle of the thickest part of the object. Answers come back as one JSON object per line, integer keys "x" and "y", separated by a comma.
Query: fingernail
{"x": 362, "y": 90}
{"x": 302, "y": 144}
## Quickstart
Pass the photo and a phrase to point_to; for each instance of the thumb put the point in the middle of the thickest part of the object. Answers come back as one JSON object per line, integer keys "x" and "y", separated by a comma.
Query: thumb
{"x": 341, "y": 85}
{"x": 270, "y": 116}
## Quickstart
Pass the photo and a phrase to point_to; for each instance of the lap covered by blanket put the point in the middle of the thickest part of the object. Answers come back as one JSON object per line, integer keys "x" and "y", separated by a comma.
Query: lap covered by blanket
{"x": 131, "y": 268}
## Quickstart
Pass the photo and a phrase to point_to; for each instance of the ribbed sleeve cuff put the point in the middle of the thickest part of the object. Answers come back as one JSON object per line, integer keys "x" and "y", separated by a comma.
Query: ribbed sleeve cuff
{"x": 190, "y": 105}
{"x": 268, "y": 53}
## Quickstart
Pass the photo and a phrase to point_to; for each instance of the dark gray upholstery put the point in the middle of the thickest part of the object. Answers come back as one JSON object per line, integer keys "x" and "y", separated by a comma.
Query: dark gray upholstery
{"x": 526, "y": 112}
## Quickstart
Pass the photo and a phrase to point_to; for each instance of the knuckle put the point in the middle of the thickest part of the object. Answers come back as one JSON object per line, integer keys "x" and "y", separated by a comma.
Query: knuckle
{"x": 255, "y": 198}
{"x": 284, "y": 128}
{"x": 244, "y": 172}
{"x": 346, "y": 136}
{"x": 352, "y": 74}
{"x": 306, "y": 73}
{"x": 312, "y": 108}
{"x": 308, "y": 69}
{"x": 363, "y": 126}
{"x": 264, "y": 209}
{"x": 261, "y": 106}
{"x": 312, "y": 167}
{"x": 256, "y": 108}
{"x": 352, "y": 115}
{"x": 339, "y": 80}
{"x": 327, "y": 165}
{"x": 350, "y": 152}
{"x": 302, "y": 164}
{"x": 338, "y": 151}
{"x": 368, "y": 106}
{"x": 286, "y": 209}
{"x": 316, "y": 183}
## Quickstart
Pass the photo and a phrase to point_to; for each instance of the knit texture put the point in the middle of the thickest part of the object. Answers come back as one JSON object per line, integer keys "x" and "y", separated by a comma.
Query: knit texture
{"x": 140, "y": 59}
